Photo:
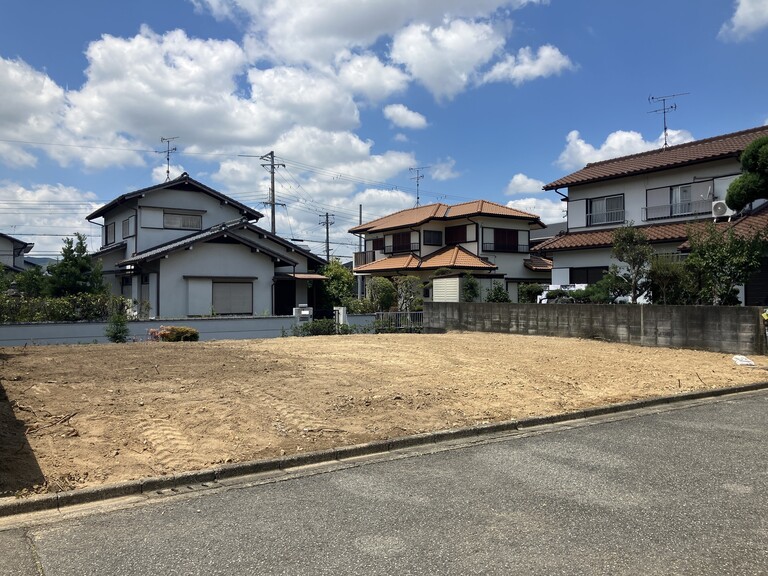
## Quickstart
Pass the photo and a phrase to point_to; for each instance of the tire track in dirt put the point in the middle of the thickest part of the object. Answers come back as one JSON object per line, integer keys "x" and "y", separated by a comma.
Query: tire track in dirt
{"x": 287, "y": 414}
{"x": 170, "y": 447}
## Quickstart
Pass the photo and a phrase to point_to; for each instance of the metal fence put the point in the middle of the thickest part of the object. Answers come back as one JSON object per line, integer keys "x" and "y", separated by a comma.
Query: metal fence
{"x": 399, "y": 321}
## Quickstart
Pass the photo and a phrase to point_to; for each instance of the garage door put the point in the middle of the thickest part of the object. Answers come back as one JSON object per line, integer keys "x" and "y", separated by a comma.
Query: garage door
{"x": 233, "y": 297}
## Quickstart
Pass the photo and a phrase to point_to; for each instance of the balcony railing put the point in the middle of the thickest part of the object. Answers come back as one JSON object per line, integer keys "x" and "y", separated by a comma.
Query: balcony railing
{"x": 496, "y": 247}
{"x": 362, "y": 258}
{"x": 400, "y": 248}
{"x": 610, "y": 217}
{"x": 676, "y": 210}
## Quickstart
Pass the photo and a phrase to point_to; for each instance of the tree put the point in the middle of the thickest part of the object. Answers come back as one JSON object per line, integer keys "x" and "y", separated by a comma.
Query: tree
{"x": 470, "y": 288}
{"x": 408, "y": 292}
{"x": 497, "y": 293}
{"x": 383, "y": 293}
{"x": 75, "y": 273}
{"x": 32, "y": 282}
{"x": 753, "y": 182}
{"x": 528, "y": 293}
{"x": 340, "y": 283}
{"x": 631, "y": 247}
{"x": 723, "y": 260}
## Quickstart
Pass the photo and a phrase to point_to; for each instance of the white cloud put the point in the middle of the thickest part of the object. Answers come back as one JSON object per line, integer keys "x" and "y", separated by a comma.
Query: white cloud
{"x": 381, "y": 202}
{"x": 287, "y": 31}
{"x": 578, "y": 152}
{"x": 443, "y": 170}
{"x": 44, "y": 214}
{"x": 303, "y": 97}
{"x": 160, "y": 173}
{"x": 368, "y": 76}
{"x": 548, "y": 61}
{"x": 522, "y": 184}
{"x": 32, "y": 109}
{"x": 446, "y": 58}
{"x": 402, "y": 117}
{"x": 549, "y": 211}
{"x": 750, "y": 17}
{"x": 400, "y": 137}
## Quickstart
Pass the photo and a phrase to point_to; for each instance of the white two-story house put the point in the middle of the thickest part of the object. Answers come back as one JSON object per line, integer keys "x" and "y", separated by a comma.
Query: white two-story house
{"x": 664, "y": 192}
{"x": 12, "y": 253}
{"x": 484, "y": 239}
{"x": 183, "y": 249}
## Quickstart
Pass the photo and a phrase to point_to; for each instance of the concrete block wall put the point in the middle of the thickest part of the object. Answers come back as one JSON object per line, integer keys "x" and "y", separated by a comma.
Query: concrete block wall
{"x": 729, "y": 329}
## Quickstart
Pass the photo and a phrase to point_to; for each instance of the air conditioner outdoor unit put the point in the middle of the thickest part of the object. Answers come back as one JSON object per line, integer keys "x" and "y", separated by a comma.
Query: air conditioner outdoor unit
{"x": 720, "y": 208}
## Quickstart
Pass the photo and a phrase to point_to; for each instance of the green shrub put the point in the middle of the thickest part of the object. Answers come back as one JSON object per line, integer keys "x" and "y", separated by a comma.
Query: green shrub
{"x": 117, "y": 329}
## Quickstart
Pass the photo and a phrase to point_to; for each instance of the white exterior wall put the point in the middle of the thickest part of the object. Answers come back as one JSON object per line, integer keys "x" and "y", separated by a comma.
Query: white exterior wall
{"x": 150, "y": 231}
{"x": 194, "y": 296}
{"x": 634, "y": 190}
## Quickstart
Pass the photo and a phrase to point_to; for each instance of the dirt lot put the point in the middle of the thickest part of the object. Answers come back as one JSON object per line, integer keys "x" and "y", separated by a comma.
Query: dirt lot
{"x": 74, "y": 416}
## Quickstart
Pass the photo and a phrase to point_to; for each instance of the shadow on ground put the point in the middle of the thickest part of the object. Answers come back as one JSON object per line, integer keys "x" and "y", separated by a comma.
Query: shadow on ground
{"x": 18, "y": 466}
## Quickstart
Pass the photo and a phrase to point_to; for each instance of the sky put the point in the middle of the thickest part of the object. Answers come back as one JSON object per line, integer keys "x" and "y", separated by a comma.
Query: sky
{"x": 372, "y": 105}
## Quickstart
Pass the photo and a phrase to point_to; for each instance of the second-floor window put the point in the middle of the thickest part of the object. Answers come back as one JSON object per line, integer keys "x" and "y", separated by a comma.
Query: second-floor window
{"x": 681, "y": 200}
{"x": 456, "y": 234}
{"x": 606, "y": 210}
{"x": 129, "y": 227}
{"x": 109, "y": 234}
{"x": 433, "y": 238}
{"x": 179, "y": 221}
{"x": 504, "y": 240}
{"x": 377, "y": 244}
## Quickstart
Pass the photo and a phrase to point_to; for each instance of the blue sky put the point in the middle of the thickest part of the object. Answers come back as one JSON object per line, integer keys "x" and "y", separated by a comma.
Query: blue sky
{"x": 491, "y": 98}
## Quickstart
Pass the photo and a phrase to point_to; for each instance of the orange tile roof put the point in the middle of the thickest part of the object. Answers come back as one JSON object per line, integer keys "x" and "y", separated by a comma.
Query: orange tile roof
{"x": 448, "y": 257}
{"x": 725, "y": 146}
{"x": 439, "y": 211}
{"x": 538, "y": 264}
{"x": 655, "y": 233}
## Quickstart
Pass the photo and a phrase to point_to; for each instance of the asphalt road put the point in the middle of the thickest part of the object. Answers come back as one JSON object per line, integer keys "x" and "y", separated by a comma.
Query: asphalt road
{"x": 682, "y": 490}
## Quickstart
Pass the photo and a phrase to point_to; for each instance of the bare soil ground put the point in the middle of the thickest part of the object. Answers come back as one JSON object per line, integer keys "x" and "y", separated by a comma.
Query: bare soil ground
{"x": 82, "y": 415}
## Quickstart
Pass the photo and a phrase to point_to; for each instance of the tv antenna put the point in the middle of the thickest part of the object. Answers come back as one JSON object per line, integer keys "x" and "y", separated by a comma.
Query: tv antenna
{"x": 168, "y": 151}
{"x": 664, "y": 108}
{"x": 418, "y": 177}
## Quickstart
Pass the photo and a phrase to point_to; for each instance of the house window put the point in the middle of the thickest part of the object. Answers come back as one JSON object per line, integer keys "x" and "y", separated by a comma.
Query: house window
{"x": 607, "y": 210}
{"x": 681, "y": 200}
{"x": 129, "y": 227}
{"x": 504, "y": 240}
{"x": 433, "y": 238}
{"x": 232, "y": 298}
{"x": 401, "y": 242}
{"x": 587, "y": 274}
{"x": 179, "y": 221}
{"x": 456, "y": 234}
{"x": 109, "y": 234}
{"x": 378, "y": 244}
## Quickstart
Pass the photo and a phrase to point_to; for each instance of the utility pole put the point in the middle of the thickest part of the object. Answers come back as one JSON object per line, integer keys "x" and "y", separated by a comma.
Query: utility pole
{"x": 327, "y": 222}
{"x": 359, "y": 249}
{"x": 168, "y": 151}
{"x": 418, "y": 177}
{"x": 271, "y": 166}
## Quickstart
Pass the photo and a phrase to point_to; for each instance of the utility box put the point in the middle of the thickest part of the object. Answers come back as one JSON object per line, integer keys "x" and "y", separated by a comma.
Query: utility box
{"x": 302, "y": 313}
{"x": 340, "y": 312}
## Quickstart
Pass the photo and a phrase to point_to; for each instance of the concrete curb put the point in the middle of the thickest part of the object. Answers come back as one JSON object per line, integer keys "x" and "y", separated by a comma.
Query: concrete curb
{"x": 210, "y": 477}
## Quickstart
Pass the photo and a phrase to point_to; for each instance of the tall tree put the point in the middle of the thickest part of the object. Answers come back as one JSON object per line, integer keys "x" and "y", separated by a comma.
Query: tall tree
{"x": 722, "y": 260}
{"x": 753, "y": 182}
{"x": 76, "y": 272}
{"x": 631, "y": 247}
{"x": 409, "y": 289}
{"x": 339, "y": 285}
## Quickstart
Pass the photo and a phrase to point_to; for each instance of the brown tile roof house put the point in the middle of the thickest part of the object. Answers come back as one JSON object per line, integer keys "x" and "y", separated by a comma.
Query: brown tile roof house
{"x": 706, "y": 150}
{"x": 448, "y": 257}
{"x": 439, "y": 211}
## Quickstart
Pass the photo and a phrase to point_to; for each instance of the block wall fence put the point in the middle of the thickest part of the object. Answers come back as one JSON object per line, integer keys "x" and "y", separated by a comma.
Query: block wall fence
{"x": 729, "y": 329}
